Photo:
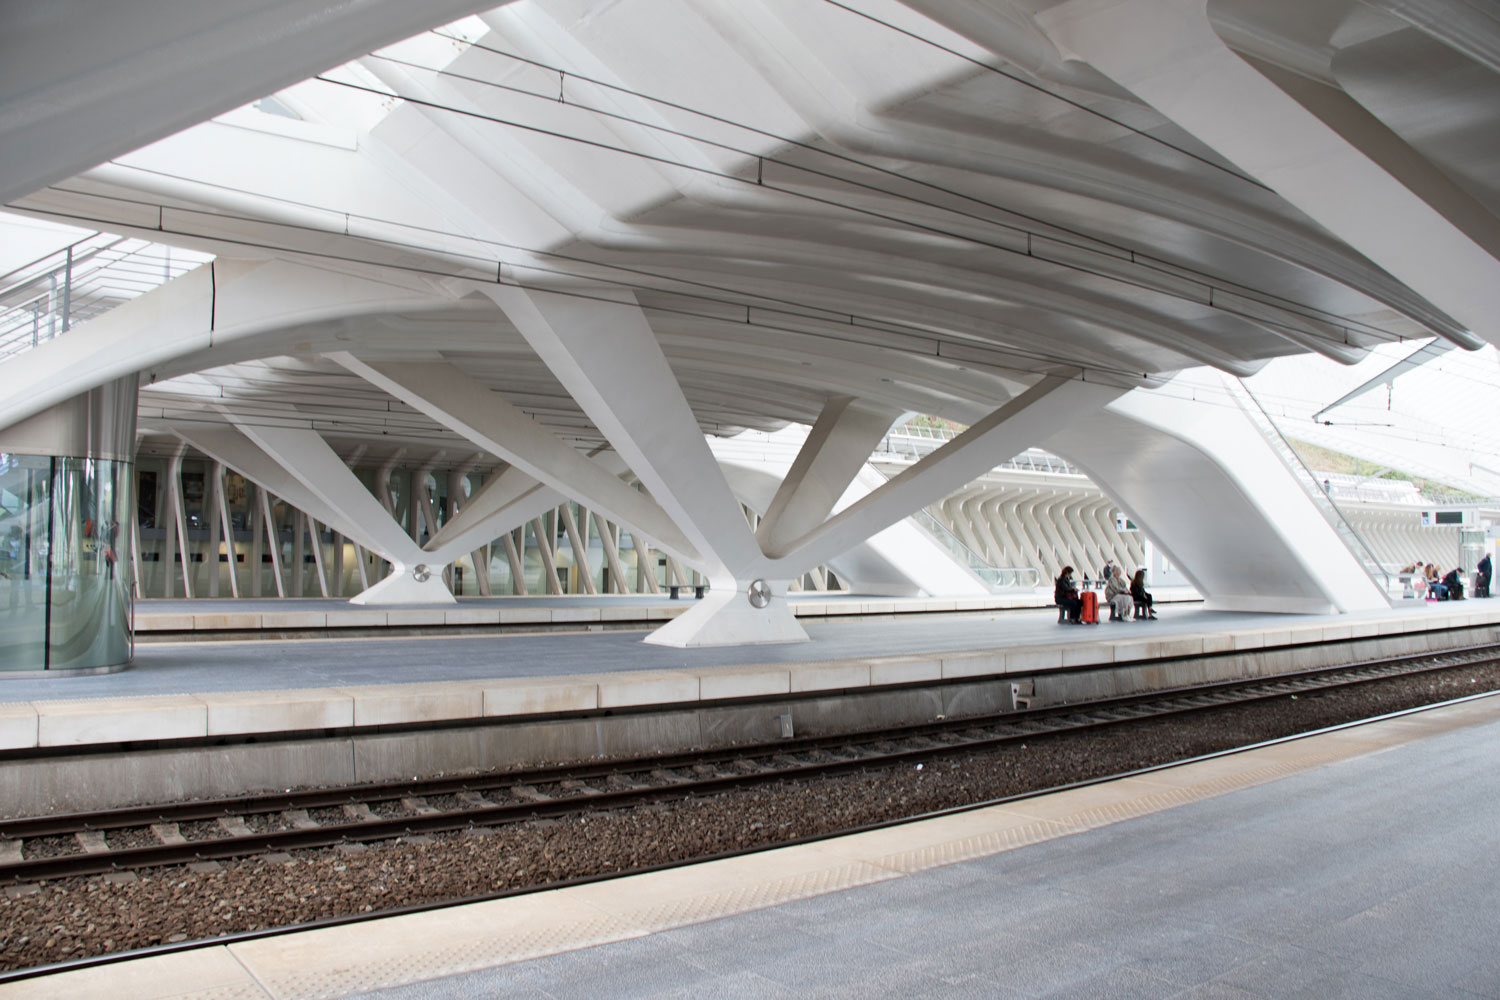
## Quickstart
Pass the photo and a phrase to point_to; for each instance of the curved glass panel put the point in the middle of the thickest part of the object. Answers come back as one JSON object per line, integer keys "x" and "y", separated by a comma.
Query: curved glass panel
{"x": 65, "y": 598}
{"x": 25, "y": 530}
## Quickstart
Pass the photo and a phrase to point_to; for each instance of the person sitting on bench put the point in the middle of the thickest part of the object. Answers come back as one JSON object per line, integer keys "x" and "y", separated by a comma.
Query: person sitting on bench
{"x": 1454, "y": 585}
{"x": 1435, "y": 589}
{"x": 1141, "y": 596}
{"x": 1065, "y": 595}
{"x": 1117, "y": 593}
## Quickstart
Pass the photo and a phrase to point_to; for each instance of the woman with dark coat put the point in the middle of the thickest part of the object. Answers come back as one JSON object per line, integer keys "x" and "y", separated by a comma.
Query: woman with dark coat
{"x": 1065, "y": 595}
{"x": 1142, "y": 598}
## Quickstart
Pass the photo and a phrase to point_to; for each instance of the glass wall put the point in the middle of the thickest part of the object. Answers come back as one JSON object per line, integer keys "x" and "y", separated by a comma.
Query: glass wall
{"x": 65, "y": 597}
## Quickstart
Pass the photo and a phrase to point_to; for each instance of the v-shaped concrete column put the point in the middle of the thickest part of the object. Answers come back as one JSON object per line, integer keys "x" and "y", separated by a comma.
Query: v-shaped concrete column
{"x": 604, "y": 353}
{"x": 297, "y": 465}
{"x": 838, "y": 446}
{"x": 1053, "y": 402}
{"x": 606, "y": 356}
{"x": 506, "y": 501}
{"x": 468, "y": 407}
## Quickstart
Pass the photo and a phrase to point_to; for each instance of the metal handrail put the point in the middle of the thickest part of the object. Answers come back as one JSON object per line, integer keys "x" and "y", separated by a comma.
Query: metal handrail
{"x": 52, "y": 262}
{"x": 51, "y": 295}
{"x": 995, "y": 577}
{"x": 1309, "y": 482}
{"x": 915, "y": 441}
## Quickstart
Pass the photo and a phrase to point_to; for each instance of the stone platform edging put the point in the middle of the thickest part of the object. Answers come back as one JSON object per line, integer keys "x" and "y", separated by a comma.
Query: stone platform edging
{"x": 107, "y": 721}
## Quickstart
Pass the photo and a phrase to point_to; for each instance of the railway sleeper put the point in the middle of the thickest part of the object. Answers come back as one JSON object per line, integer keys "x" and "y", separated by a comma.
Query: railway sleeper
{"x": 473, "y": 799}
{"x": 235, "y": 826}
{"x": 529, "y": 793}
{"x": 168, "y": 833}
{"x": 300, "y": 820}
{"x": 92, "y": 841}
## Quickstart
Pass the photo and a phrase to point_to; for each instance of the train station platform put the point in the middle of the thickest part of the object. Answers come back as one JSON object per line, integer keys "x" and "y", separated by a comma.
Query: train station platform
{"x": 1354, "y": 863}
{"x": 193, "y": 690}
{"x": 208, "y": 617}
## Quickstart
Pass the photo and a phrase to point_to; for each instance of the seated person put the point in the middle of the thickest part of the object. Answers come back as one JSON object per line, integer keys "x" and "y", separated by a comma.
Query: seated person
{"x": 1140, "y": 596}
{"x": 1117, "y": 593}
{"x": 1435, "y": 589}
{"x": 1065, "y": 595}
{"x": 1453, "y": 585}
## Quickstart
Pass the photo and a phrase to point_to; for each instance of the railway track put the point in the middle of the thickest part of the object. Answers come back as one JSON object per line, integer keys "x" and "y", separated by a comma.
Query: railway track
{"x": 77, "y": 844}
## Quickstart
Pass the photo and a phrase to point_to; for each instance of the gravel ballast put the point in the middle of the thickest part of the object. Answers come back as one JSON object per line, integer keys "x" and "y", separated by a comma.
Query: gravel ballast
{"x": 75, "y": 918}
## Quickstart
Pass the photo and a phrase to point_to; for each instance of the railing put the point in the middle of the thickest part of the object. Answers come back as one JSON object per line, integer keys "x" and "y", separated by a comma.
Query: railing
{"x": 1010, "y": 577}
{"x": 994, "y": 577}
{"x": 1309, "y": 482}
{"x": 1037, "y": 460}
{"x": 914, "y": 441}
{"x": 49, "y": 296}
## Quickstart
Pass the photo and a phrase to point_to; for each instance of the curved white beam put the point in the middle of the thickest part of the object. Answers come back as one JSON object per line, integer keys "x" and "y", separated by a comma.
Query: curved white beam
{"x": 221, "y": 303}
{"x": 1167, "y": 53}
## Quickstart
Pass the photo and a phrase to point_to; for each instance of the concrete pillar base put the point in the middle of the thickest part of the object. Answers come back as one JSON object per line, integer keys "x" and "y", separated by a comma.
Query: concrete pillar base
{"x": 725, "y": 617}
{"x": 401, "y": 587}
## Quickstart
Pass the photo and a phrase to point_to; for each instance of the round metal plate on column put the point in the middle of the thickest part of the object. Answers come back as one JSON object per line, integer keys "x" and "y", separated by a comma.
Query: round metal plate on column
{"x": 421, "y": 573}
{"x": 759, "y": 593}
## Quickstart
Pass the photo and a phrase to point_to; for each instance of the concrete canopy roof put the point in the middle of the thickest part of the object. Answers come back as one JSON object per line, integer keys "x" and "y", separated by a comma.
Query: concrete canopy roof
{"x": 926, "y": 205}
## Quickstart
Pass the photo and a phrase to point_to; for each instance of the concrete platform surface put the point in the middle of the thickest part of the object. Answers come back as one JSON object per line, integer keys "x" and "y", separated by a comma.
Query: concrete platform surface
{"x": 299, "y": 613}
{"x": 191, "y": 689}
{"x": 1354, "y": 864}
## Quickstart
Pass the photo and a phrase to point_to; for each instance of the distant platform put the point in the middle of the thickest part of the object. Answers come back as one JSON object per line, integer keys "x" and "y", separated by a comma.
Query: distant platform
{"x": 298, "y": 614}
{"x": 192, "y": 690}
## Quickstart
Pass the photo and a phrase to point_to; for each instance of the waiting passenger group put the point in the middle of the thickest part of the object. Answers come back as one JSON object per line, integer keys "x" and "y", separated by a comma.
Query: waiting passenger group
{"x": 1426, "y": 583}
{"x": 1124, "y": 599}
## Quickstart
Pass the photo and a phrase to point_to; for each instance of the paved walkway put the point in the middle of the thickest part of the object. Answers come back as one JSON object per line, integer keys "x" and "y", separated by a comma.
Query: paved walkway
{"x": 1370, "y": 878}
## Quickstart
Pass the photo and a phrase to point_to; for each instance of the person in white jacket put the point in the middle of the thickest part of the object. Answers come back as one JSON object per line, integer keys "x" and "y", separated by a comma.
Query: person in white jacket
{"x": 1117, "y": 593}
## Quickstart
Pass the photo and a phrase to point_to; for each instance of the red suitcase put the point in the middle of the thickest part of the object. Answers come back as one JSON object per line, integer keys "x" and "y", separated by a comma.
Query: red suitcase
{"x": 1090, "y": 613}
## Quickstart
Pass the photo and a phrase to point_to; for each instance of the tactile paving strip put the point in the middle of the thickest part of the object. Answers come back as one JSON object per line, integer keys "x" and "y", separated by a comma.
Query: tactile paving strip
{"x": 968, "y": 848}
{"x": 390, "y": 965}
{"x": 755, "y": 896}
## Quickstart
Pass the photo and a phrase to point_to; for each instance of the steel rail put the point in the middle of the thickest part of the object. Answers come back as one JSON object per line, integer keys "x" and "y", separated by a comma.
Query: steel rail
{"x": 348, "y": 919}
{"x": 652, "y": 779}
